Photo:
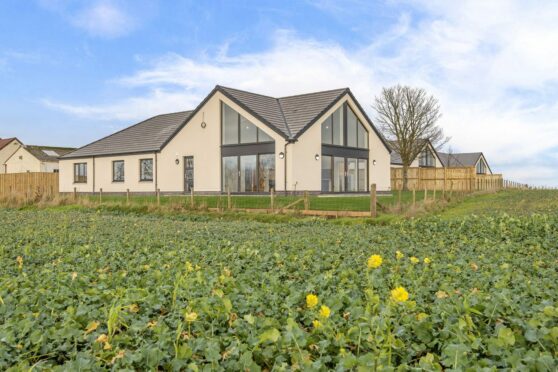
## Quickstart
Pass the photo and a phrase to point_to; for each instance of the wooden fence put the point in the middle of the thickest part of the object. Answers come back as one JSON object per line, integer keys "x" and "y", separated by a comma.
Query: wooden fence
{"x": 456, "y": 179}
{"x": 28, "y": 184}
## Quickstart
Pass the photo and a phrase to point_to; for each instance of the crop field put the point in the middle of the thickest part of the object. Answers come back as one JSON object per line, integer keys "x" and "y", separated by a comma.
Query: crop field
{"x": 86, "y": 289}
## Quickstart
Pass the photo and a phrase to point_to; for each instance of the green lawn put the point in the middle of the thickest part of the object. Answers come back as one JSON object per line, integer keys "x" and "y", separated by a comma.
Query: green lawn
{"x": 322, "y": 202}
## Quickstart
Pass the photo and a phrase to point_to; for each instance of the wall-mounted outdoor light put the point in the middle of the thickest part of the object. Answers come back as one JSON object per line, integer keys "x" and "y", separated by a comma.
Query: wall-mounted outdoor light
{"x": 177, "y": 161}
{"x": 317, "y": 156}
{"x": 373, "y": 162}
{"x": 281, "y": 155}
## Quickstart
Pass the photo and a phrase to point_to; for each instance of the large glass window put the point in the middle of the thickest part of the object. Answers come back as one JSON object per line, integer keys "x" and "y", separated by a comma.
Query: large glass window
{"x": 236, "y": 129}
{"x": 362, "y": 174}
{"x": 266, "y": 172}
{"x": 248, "y": 180}
{"x": 352, "y": 175}
{"x": 118, "y": 171}
{"x": 230, "y": 173}
{"x": 327, "y": 131}
{"x": 341, "y": 174}
{"x": 338, "y": 132}
{"x": 230, "y": 126}
{"x": 481, "y": 167}
{"x": 426, "y": 158}
{"x": 146, "y": 170}
{"x": 352, "y": 124}
{"x": 327, "y": 184}
{"x": 249, "y": 173}
{"x": 80, "y": 173}
{"x": 338, "y": 174}
{"x": 248, "y": 131}
{"x": 336, "y": 126}
{"x": 362, "y": 136}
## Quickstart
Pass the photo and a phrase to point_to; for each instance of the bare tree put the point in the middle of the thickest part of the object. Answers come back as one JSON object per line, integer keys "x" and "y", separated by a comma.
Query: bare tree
{"x": 407, "y": 117}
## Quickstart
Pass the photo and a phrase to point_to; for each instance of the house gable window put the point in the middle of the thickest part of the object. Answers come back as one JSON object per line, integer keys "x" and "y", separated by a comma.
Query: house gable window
{"x": 481, "y": 167}
{"x": 146, "y": 169}
{"x": 426, "y": 158}
{"x": 118, "y": 171}
{"x": 236, "y": 129}
{"x": 80, "y": 172}
{"x": 342, "y": 128}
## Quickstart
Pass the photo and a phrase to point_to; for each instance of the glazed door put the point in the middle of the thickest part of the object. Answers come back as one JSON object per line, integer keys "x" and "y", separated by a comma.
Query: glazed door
{"x": 188, "y": 173}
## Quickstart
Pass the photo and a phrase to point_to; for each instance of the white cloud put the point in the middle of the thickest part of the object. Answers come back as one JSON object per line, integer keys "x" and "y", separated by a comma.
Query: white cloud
{"x": 483, "y": 60}
{"x": 105, "y": 19}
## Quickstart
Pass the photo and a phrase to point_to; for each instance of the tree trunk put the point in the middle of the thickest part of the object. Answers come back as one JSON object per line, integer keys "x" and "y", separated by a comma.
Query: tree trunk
{"x": 405, "y": 178}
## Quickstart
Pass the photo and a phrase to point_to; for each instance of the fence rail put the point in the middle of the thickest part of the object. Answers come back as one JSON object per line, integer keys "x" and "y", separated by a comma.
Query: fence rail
{"x": 29, "y": 184}
{"x": 446, "y": 179}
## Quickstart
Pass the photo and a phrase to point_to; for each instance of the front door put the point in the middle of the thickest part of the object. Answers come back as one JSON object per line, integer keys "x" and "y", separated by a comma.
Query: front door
{"x": 188, "y": 173}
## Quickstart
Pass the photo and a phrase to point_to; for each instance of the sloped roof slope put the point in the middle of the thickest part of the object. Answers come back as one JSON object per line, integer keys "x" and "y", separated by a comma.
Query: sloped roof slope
{"x": 460, "y": 159}
{"x": 6, "y": 141}
{"x": 148, "y": 135}
{"x": 288, "y": 116}
{"x": 48, "y": 153}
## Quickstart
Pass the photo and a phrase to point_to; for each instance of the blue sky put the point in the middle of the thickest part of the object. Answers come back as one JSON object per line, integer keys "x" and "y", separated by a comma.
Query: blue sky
{"x": 74, "y": 71}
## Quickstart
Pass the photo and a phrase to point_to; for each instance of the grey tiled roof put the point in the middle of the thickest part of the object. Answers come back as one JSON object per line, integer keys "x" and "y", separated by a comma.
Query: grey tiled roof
{"x": 149, "y": 135}
{"x": 460, "y": 160}
{"x": 48, "y": 153}
{"x": 288, "y": 116}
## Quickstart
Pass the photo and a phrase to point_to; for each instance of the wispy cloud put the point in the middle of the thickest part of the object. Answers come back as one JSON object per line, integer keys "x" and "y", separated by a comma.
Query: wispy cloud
{"x": 487, "y": 62}
{"x": 102, "y": 18}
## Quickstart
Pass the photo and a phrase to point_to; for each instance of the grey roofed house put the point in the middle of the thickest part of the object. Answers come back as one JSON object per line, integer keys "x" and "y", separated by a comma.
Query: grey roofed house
{"x": 288, "y": 116}
{"x": 458, "y": 160}
{"x": 396, "y": 157}
{"x": 48, "y": 153}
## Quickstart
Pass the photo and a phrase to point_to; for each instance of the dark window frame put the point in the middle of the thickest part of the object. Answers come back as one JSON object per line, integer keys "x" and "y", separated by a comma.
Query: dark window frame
{"x": 238, "y": 166}
{"x": 481, "y": 167}
{"x": 345, "y": 109}
{"x": 141, "y": 175}
{"x": 345, "y": 178}
{"x": 238, "y": 129}
{"x": 427, "y": 159}
{"x": 78, "y": 177}
{"x": 114, "y": 180}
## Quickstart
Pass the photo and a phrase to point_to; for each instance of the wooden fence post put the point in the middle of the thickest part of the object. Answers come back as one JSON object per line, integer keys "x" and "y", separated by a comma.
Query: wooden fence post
{"x": 306, "y": 201}
{"x": 425, "y": 194}
{"x": 192, "y": 198}
{"x": 158, "y": 197}
{"x": 434, "y": 195}
{"x": 414, "y": 197}
{"x": 229, "y": 200}
{"x": 272, "y": 201}
{"x": 373, "y": 201}
{"x": 75, "y": 193}
{"x": 399, "y": 197}
{"x": 128, "y": 196}
{"x": 100, "y": 195}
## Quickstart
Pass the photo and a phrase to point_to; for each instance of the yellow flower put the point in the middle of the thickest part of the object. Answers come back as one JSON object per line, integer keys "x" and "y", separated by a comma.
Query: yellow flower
{"x": 134, "y": 308}
{"x": 102, "y": 339}
{"x": 374, "y": 261}
{"x": 317, "y": 324}
{"x": 399, "y": 294}
{"x": 74, "y": 275}
{"x": 19, "y": 260}
{"x": 427, "y": 260}
{"x": 311, "y": 300}
{"x": 421, "y": 316}
{"x": 91, "y": 327}
{"x": 190, "y": 317}
{"x": 325, "y": 312}
{"x": 399, "y": 255}
{"x": 414, "y": 260}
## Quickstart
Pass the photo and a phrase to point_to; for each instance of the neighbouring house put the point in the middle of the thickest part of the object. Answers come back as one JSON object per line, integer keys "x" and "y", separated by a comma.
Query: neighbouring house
{"x": 472, "y": 159}
{"x": 239, "y": 142}
{"x": 428, "y": 158}
{"x": 35, "y": 159}
{"x": 7, "y": 148}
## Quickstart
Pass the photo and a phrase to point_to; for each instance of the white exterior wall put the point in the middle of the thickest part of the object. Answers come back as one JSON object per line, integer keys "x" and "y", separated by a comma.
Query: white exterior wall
{"x": 6, "y": 152}
{"x": 204, "y": 144}
{"x": 27, "y": 163}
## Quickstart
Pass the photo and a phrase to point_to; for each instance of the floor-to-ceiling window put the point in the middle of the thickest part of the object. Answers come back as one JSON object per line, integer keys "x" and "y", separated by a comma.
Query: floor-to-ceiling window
{"x": 344, "y": 152}
{"x": 248, "y": 154}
